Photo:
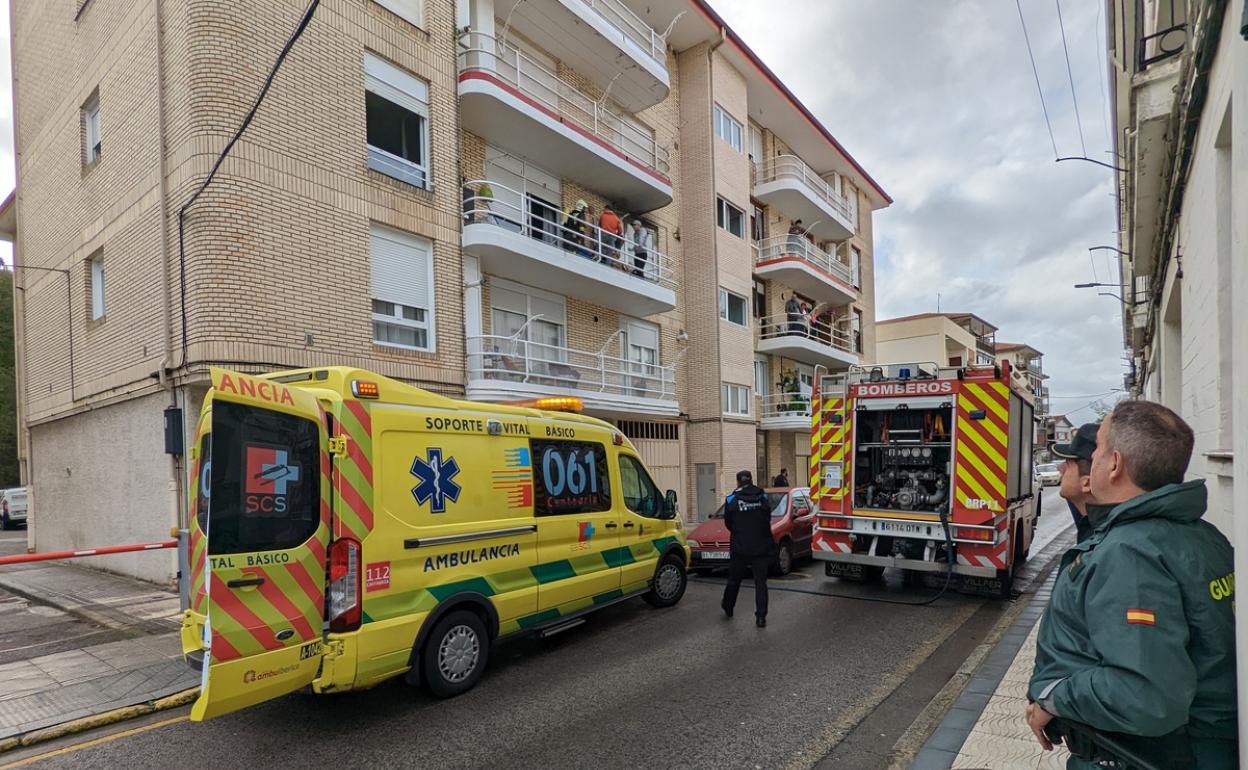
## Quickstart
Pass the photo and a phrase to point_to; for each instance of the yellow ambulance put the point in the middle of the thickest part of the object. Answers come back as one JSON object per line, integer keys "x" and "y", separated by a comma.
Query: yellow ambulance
{"x": 348, "y": 528}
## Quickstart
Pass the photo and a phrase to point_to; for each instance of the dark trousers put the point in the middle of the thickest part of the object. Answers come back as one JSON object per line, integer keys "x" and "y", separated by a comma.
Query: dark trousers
{"x": 736, "y": 573}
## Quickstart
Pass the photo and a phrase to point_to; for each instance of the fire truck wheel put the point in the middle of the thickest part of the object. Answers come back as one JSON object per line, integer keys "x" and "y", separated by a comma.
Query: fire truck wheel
{"x": 455, "y": 654}
{"x": 669, "y": 582}
{"x": 783, "y": 564}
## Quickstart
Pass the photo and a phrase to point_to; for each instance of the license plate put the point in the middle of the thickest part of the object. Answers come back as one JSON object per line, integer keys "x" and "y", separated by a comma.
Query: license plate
{"x": 714, "y": 554}
{"x": 908, "y": 529}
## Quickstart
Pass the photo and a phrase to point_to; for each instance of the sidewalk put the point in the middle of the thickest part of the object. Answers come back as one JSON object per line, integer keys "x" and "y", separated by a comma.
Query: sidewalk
{"x": 143, "y": 666}
{"x": 985, "y": 729}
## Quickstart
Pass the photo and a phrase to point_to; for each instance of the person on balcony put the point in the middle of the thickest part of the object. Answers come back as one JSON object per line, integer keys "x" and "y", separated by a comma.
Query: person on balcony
{"x": 796, "y": 314}
{"x": 484, "y": 209}
{"x": 612, "y": 236}
{"x": 576, "y": 229}
{"x": 641, "y": 242}
{"x": 796, "y": 234}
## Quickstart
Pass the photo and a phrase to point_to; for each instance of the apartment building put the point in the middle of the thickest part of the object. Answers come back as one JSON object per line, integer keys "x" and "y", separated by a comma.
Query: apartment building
{"x": 945, "y": 339}
{"x": 1030, "y": 362}
{"x": 1179, "y": 81}
{"x": 494, "y": 201}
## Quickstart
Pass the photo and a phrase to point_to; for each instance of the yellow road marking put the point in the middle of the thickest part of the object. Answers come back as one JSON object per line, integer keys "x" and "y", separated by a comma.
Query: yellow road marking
{"x": 93, "y": 742}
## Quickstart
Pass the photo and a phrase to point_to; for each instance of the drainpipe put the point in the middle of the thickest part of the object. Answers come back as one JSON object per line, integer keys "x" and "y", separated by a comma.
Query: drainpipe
{"x": 163, "y": 374}
{"x": 710, "y": 122}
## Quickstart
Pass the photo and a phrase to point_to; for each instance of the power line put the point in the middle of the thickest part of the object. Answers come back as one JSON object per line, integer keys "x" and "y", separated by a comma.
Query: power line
{"x": 1036, "y": 73}
{"x": 1071, "y": 75}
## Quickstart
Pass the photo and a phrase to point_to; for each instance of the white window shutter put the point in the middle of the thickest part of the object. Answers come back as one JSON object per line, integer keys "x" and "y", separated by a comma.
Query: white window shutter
{"x": 395, "y": 85}
{"x": 401, "y": 268}
{"x": 409, "y": 10}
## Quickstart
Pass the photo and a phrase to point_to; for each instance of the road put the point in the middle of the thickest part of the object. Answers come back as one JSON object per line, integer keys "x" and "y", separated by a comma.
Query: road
{"x": 632, "y": 687}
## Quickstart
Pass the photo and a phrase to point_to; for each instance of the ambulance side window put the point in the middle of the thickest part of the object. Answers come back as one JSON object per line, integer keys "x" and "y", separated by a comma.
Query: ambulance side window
{"x": 570, "y": 477}
{"x": 641, "y": 496}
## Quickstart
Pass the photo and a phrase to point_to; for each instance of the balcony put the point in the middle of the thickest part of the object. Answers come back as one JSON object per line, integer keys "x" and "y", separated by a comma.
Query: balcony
{"x": 518, "y": 237}
{"x": 517, "y": 103}
{"x": 788, "y": 412}
{"x": 796, "y": 262}
{"x": 793, "y": 187}
{"x": 508, "y": 368}
{"x": 803, "y": 340}
{"x": 604, "y": 41}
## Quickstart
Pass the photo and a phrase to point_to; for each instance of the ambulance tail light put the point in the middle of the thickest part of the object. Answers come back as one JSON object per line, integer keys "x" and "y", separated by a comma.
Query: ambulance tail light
{"x": 345, "y": 599}
{"x": 965, "y": 533}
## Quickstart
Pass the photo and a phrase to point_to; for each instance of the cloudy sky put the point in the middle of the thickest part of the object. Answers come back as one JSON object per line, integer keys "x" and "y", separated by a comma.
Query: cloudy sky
{"x": 937, "y": 100}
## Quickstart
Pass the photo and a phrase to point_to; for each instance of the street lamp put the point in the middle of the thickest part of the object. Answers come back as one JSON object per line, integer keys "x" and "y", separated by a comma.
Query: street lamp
{"x": 1110, "y": 248}
{"x": 69, "y": 296}
{"x": 1106, "y": 293}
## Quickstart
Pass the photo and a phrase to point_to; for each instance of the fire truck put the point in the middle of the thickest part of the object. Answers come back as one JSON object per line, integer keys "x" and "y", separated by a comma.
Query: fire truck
{"x": 922, "y": 468}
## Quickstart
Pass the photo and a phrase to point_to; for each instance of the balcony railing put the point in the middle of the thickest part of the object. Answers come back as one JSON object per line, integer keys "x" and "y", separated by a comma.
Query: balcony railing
{"x": 779, "y": 246}
{"x": 786, "y": 405}
{"x": 518, "y": 212}
{"x": 513, "y": 359}
{"x": 784, "y": 325}
{"x": 1159, "y": 38}
{"x": 791, "y": 167}
{"x": 632, "y": 27}
{"x": 563, "y": 100}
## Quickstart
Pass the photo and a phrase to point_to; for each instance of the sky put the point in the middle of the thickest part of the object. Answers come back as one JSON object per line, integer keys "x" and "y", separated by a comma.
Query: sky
{"x": 936, "y": 99}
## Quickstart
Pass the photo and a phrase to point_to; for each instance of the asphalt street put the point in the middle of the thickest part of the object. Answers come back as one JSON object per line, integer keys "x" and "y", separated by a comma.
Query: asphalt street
{"x": 632, "y": 687}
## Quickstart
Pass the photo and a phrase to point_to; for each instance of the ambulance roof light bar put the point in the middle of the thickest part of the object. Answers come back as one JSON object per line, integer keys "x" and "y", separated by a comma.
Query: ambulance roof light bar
{"x": 551, "y": 403}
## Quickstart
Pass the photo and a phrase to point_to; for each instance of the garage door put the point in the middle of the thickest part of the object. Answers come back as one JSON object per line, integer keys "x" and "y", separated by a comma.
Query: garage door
{"x": 658, "y": 444}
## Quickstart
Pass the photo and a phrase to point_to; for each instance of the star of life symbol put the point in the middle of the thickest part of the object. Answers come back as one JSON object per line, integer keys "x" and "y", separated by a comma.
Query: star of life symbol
{"x": 437, "y": 480}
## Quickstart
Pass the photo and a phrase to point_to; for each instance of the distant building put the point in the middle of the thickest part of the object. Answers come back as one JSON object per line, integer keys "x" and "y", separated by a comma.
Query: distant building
{"x": 946, "y": 339}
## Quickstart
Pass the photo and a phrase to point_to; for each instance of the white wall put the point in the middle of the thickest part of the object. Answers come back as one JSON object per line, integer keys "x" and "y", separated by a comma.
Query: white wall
{"x": 102, "y": 478}
{"x": 911, "y": 349}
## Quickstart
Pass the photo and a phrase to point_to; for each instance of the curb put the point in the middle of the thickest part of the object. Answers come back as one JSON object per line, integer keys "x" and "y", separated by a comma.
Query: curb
{"x": 99, "y": 720}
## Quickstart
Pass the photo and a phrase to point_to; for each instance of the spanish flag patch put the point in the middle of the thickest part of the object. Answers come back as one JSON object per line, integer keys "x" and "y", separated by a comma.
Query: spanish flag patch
{"x": 1141, "y": 617}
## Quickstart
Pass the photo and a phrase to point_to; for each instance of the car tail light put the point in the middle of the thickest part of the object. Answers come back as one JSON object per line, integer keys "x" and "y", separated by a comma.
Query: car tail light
{"x": 345, "y": 601}
{"x": 986, "y": 535}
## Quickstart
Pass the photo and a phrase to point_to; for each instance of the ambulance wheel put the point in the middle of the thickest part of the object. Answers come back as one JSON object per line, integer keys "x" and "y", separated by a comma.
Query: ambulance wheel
{"x": 455, "y": 654}
{"x": 669, "y": 583}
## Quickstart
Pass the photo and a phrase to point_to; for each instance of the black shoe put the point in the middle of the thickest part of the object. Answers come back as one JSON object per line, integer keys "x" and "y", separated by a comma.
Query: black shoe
{"x": 760, "y": 621}
{"x": 727, "y": 612}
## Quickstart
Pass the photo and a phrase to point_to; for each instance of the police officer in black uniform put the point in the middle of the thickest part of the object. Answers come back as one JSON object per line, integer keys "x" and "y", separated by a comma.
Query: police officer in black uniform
{"x": 748, "y": 518}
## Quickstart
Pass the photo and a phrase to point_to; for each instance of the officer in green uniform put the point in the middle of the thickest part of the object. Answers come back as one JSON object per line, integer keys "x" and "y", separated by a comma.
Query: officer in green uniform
{"x": 1139, "y": 636}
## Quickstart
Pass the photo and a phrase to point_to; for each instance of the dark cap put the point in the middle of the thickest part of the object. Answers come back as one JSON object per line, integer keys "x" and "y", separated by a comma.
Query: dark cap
{"x": 1081, "y": 446}
{"x": 744, "y": 478}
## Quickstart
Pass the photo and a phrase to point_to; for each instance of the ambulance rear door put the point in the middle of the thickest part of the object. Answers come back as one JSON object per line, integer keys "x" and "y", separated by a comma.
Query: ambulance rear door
{"x": 267, "y": 527}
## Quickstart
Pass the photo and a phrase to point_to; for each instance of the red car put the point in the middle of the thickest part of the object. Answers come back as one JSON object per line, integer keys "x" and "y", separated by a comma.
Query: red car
{"x": 792, "y": 523}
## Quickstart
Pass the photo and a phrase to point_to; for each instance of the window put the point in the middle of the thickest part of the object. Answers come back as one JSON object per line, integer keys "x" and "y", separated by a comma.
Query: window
{"x": 529, "y": 324}
{"x": 732, "y": 308}
{"x": 736, "y": 399}
{"x": 641, "y": 496}
{"x": 408, "y": 10}
{"x": 569, "y": 477}
{"x": 397, "y": 111}
{"x": 760, "y": 299}
{"x": 730, "y": 218}
{"x": 855, "y": 264}
{"x": 857, "y": 330}
{"x": 727, "y": 128}
{"x": 640, "y": 342}
{"x": 97, "y": 286}
{"x": 402, "y": 267}
{"x": 760, "y": 376}
{"x": 92, "y": 145}
{"x": 264, "y": 483}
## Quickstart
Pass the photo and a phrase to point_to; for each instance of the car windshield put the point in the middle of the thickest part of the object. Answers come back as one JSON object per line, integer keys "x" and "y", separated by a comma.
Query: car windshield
{"x": 775, "y": 501}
